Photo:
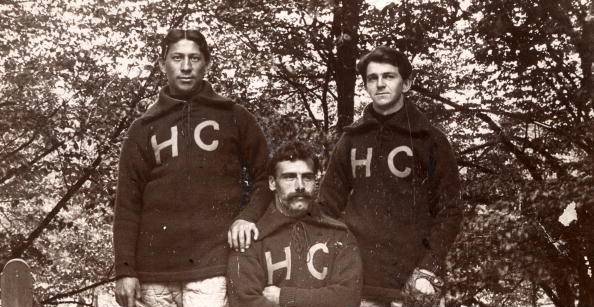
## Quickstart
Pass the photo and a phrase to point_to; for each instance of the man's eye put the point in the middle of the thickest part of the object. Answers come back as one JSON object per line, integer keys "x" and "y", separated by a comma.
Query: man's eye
{"x": 309, "y": 177}
{"x": 195, "y": 59}
{"x": 176, "y": 58}
{"x": 371, "y": 78}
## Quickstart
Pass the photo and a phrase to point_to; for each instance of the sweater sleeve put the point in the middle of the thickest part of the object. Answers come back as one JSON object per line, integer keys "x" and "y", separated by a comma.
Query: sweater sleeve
{"x": 446, "y": 206}
{"x": 343, "y": 287}
{"x": 336, "y": 185}
{"x": 132, "y": 178}
{"x": 247, "y": 280}
{"x": 254, "y": 156}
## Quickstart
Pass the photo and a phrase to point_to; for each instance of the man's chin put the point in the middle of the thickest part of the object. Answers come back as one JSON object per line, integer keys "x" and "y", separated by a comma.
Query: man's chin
{"x": 299, "y": 206}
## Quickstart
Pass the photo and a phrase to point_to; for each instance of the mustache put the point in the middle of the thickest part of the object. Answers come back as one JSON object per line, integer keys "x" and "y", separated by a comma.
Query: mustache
{"x": 295, "y": 195}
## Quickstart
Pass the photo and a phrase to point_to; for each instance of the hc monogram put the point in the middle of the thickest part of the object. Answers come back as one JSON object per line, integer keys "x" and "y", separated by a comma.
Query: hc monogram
{"x": 367, "y": 161}
{"x": 286, "y": 264}
{"x": 172, "y": 142}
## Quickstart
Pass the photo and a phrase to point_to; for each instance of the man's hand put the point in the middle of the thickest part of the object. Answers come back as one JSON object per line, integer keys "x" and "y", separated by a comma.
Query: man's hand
{"x": 239, "y": 235}
{"x": 127, "y": 291}
{"x": 424, "y": 281}
{"x": 423, "y": 289}
{"x": 272, "y": 293}
{"x": 424, "y": 286}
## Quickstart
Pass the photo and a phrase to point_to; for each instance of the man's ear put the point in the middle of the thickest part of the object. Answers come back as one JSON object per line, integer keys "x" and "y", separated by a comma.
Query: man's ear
{"x": 271, "y": 183}
{"x": 407, "y": 84}
{"x": 161, "y": 64}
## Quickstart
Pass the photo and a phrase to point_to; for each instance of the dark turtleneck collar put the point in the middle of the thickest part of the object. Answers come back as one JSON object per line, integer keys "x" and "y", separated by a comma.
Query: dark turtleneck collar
{"x": 381, "y": 117}
{"x": 186, "y": 96}
{"x": 408, "y": 119}
{"x": 273, "y": 219}
{"x": 204, "y": 95}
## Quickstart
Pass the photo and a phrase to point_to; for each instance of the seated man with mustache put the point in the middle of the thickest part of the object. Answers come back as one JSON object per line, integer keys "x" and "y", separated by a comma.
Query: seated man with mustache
{"x": 302, "y": 257}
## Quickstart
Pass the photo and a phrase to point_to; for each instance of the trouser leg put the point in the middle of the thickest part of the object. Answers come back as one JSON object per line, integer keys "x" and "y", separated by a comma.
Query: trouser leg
{"x": 211, "y": 292}
{"x": 166, "y": 294}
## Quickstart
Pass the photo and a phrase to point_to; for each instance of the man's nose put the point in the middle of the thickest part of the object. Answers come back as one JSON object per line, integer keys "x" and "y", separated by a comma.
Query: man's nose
{"x": 380, "y": 82}
{"x": 186, "y": 65}
{"x": 299, "y": 184}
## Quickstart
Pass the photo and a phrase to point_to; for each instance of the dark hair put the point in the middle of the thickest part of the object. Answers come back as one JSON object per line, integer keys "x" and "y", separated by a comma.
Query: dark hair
{"x": 292, "y": 151}
{"x": 175, "y": 35}
{"x": 383, "y": 54}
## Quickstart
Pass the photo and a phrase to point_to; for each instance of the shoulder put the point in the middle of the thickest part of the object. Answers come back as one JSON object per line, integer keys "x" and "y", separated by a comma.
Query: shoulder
{"x": 344, "y": 141}
{"x": 136, "y": 129}
{"x": 360, "y": 126}
{"x": 242, "y": 114}
{"x": 324, "y": 221}
{"x": 439, "y": 137}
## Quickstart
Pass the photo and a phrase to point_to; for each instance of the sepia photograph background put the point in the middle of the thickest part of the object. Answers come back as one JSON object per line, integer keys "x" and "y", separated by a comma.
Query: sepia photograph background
{"x": 508, "y": 81}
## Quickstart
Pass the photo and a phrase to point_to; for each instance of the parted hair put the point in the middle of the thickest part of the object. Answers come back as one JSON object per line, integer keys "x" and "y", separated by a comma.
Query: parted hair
{"x": 293, "y": 151}
{"x": 384, "y": 54}
{"x": 175, "y": 35}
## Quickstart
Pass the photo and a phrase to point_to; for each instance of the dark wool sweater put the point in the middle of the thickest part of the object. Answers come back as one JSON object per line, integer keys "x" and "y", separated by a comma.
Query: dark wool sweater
{"x": 314, "y": 260}
{"x": 396, "y": 185}
{"x": 179, "y": 186}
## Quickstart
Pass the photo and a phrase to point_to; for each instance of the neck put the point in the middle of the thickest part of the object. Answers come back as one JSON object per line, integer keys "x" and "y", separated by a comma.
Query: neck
{"x": 186, "y": 95}
{"x": 390, "y": 110}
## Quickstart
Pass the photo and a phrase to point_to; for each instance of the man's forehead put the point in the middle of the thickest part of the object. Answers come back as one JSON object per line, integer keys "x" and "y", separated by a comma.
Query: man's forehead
{"x": 295, "y": 166}
{"x": 381, "y": 67}
{"x": 185, "y": 46}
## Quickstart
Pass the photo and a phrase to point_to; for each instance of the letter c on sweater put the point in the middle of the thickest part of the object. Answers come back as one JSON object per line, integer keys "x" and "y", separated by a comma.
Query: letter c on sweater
{"x": 310, "y": 256}
{"x": 393, "y": 153}
{"x": 208, "y": 147}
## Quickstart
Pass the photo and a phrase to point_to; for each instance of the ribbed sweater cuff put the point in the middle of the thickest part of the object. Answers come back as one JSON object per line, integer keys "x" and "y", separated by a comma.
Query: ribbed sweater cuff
{"x": 248, "y": 216}
{"x": 125, "y": 270}
{"x": 288, "y": 297}
{"x": 431, "y": 263}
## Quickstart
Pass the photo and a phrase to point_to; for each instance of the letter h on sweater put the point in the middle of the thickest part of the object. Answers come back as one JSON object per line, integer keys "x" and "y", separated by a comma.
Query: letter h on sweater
{"x": 279, "y": 265}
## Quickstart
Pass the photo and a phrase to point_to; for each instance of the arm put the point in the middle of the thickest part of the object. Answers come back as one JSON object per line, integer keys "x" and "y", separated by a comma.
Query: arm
{"x": 247, "y": 280}
{"x": 344, "y": 284}
{"x": 337, "y": 182}
{"x": 254, "y": 156}
{"x": 446, "y": 205}
{"x": 132, "y": 177}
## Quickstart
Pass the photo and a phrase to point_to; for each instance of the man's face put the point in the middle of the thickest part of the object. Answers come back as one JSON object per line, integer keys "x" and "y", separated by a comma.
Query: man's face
{"x": 293, "y": 184}
{"x": 385, "y": 87}
{"x": 184, "y": 66}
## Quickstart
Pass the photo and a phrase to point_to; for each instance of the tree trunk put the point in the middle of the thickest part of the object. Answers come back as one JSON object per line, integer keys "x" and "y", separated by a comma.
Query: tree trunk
{"x": 345, "y": 29}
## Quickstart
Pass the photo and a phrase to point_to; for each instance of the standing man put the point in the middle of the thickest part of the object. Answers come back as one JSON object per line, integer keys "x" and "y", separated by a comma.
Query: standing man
{"x": 394, "y": 179}
{"x": 303, "y": 258}
{"x": 180, "y": 186}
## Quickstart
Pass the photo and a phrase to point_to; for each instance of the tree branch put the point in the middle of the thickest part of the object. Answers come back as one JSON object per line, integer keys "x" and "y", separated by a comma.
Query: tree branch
{"x": 477, "y": 147}
{"x": 520, "y": 156}
{"x": 50, "y": 300}
{"x": 12, "y": 172}
{"x": 124, "y": 122}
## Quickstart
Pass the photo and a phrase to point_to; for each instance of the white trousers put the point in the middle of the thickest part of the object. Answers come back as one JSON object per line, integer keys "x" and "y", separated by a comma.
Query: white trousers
{"x": 210, "y": 292}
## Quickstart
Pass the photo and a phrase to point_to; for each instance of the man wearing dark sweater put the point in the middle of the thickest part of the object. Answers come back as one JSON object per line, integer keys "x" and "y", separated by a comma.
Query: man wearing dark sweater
{"x": 393, "y": 178}
{"x": 303, "y": 257}
{"x": 180, "y": 186}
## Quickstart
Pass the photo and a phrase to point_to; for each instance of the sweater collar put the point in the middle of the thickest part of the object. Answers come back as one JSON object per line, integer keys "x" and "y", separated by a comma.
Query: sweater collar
{"x": 273, "y": 220}
{"x": 408, "y": 119}
{"x": 205, "y": 95}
